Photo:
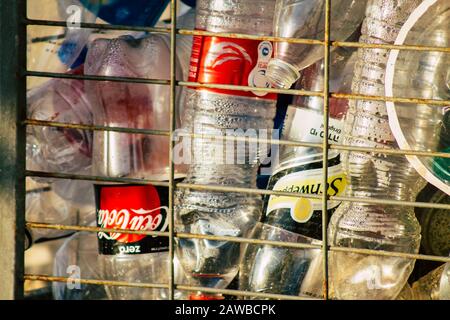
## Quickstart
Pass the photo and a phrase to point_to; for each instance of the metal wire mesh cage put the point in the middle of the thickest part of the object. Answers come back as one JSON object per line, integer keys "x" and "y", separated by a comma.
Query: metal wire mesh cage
{"x": 13, "y": 79}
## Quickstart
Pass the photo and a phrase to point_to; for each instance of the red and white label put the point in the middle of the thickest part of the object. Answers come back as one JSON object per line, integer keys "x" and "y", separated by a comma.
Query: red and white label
{"x": 130, "y": 207}
{"x": 243, "y": 62}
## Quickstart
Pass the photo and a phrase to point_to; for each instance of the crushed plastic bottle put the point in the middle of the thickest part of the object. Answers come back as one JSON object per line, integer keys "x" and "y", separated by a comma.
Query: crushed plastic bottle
{"x": 45, "y": 205}
{"x": 131, "y": 105}
{"x": 224, "y": 61}
{"x": 78, "y": 258}
{"x": 56, "y": 149}
{"x": 373, "y": 175}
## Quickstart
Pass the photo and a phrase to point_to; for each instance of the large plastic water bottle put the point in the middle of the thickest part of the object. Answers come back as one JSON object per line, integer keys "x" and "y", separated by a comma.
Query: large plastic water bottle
{"x": 220, "y": 112}
{"x": 374, "y": 175}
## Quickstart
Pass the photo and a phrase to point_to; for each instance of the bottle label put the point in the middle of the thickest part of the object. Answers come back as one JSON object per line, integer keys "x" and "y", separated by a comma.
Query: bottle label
{"x": 308, "y": 182}
{"x": 311, "y": 128}
{"x": 243, "y": 62}
{"x": 131, "y": 207}
{"x": 303, "y": 215}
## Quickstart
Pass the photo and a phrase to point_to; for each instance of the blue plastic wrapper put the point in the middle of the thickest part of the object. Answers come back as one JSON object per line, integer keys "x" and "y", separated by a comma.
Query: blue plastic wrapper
{"x": 124, "y": 12}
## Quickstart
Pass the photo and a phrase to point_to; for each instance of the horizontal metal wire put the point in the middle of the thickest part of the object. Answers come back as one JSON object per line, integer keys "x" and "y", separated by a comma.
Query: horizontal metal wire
{"x": 252, "y": 241}
{"x": 33, "y": 122}
{"x": 98, "y": 26}
{"x": 249, "y": 37}
{"x": 433, "y": 102}
{"x": 311, "y": 196}
{"x": 237, "y": 138}
{"x": 316, "y": 145}
{"x": 388, "y": 46}
{"x": 41, "y": 225}
{"x": 337, "y": 95}
{"x": 390, "y": 254}
{"x": 238, "y": 36}
{"x": 237, "y": 189}
{"x": 38, "y": 277}
{"x": 57, "y": 75}
{"x": 72, "y": 176}
{"x": 230, "y": 292}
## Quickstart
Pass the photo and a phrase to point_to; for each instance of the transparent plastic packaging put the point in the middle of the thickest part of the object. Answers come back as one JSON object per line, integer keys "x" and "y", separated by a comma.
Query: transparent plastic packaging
{"x": 373, "y": 175}
{"x": 423, "y": 75}
{"x": 55, "y": 149}
{"x": 44, "y": 205}
{"x": 79, "y": 258}
{"x": 278, "y": 270}
{"x": 300, "y": 168}
{"x": 207, "y": 262}
{"x": 131, "y": 105}
{"x": 306, "y": 19}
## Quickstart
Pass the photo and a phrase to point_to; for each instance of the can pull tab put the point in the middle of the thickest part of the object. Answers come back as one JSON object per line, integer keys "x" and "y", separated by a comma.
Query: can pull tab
{"x": 257, "y": 77}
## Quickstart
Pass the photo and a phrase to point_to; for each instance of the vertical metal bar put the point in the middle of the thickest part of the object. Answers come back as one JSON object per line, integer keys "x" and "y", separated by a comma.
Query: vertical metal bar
{"x": 173, "y": 57}
{"x": 326, "y": 93}
{"x": 12, "y": 148}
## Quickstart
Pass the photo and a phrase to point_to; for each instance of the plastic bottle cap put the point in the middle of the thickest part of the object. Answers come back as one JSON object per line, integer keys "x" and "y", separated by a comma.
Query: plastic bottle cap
{"x": 203, "y": 296}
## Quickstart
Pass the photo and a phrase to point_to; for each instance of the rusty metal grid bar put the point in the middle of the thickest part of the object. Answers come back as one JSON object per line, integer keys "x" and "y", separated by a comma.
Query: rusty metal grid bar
{"x": 325, "y": 145}
{"x": 238, "y": 189}
{"x": 36, "y": 277}
{"x": 338, "y": 95}
{"x": 283, "y": 244}
{"x": 189, "y": 32}
{"x": 326, "y": 117}
{"x": 293, "y": 143}
{"x": 173, "y": 66}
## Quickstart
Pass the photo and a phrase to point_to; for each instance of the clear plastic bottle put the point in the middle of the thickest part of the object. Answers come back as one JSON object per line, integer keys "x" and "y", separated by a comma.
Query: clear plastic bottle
{"x": 123, "y": 257}
{"x": 54, "y": 149}
{"x": 132, "y": 105}
{"x": 373, "y": 175}
{"x": 78, "y": 257}
{"x": 44, "y": 205}
{"x": 224, "y": 112}
{"x": 306, "y": 19}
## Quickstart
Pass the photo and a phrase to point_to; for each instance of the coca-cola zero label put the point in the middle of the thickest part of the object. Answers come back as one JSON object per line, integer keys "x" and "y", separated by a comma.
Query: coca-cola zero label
{"x": 243, "y": 62}
{"x": 131, "y": 207}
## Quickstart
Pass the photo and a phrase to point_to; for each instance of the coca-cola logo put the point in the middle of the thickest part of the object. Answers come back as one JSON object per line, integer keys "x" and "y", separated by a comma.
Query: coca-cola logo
{"x": 132, "y": 219}
{"x": 221, "y": 52}
{"x": 130, "y": 208}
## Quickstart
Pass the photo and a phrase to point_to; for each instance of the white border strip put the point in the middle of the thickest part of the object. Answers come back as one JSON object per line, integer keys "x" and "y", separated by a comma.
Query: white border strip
{"x": 389, "y": 80}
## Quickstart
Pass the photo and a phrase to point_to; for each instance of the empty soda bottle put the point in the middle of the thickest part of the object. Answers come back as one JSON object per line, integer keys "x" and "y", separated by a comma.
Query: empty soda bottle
{"x": 56, "y": 149}
{"x": 224, "y": 112}
{"x": 281, "y": 270}
{"x": 374, "y": 175}
{"x": 132, "y": 105}
{"x": 131, "y": 257}
{"x": 306, "y": 19}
